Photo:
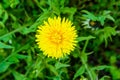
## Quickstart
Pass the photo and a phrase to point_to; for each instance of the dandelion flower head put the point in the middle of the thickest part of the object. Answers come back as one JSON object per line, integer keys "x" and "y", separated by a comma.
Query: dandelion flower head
{"x": 56, "y": 37}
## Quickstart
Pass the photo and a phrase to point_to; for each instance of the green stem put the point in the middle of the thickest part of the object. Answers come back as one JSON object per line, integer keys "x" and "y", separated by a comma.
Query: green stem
{"x": 85, "y": 46}
{"x": 87, "y": 68}
{"x": 84, "y": 60}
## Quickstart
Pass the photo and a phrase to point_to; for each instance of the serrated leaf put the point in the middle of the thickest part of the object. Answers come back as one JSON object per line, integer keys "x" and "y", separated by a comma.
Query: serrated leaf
{"x": 71, "y": 11}
{"x": 79, "y": 72}
{"x": 89, "y": 15}
{"x": 39, "y": 21}
{"x": 106, "y": 33}
{"x": 110, "y": 17}
{"x": 102, "y": 19}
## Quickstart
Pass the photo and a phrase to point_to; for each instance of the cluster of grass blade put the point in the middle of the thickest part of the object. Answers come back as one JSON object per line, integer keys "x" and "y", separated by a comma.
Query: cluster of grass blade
{"x": 20, "y": 58}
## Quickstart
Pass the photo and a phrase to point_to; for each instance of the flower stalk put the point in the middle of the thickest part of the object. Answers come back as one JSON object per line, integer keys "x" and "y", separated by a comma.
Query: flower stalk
{"x": 83, "y": 58}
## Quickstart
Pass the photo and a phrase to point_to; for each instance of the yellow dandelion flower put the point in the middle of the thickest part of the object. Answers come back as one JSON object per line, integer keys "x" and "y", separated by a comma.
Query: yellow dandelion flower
{"x": 56, "y": 37}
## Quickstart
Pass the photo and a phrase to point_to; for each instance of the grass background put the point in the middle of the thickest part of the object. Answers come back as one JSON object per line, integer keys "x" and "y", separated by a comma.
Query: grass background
{"x": 20, "y": 58}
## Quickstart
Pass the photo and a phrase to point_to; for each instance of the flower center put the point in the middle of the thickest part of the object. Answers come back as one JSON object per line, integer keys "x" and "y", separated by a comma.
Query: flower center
{"x": 56, "y": 38}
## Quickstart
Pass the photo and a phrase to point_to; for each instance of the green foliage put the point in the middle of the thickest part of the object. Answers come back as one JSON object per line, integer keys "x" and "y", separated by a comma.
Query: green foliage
{"x": 105, "y": 34}
{"x": 85, "y": 38}
{"x": 96, "y": 56}
{"x": 4, "y": 66}
{"x": 18, "y": 76}
{"x": 79, "y": 72}
{"x": 101, "y": 17}
{"x": 2, "y": 45}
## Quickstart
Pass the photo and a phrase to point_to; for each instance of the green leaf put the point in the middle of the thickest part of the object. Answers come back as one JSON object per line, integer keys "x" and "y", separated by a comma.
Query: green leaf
{"x": 14, "y": 3}
{"x": 5, "y": 17}
{"x": 59, "y": 65}
{"x": 101, "y": 67}
{"x": 113, "y": 59}
{"x": 18, "y": 76}
{"x": 84, "y": 57}
{"x": 62, "y": 2}
{"x": 110, "y": 17}
{"x": 4, "y": 66}
{"x": 13, "y": 59}
{"x": 85, "y": 38}
{"x": 115, "y": 72}
{"x": 106, "y": 12}
{"x": 52, "y": 69}
{"x": 13, "y": 17}
{"x": 104, "y": 16}
{"x": 20, "y": 56}
{"x": 2, "y": 24}
{"x": 38, "y": 22}
{"x": 89, "y": 15}
{"x": 70, "y": 11}
{"x": 2, "y": 45}
{"x": 7, "y": 35}
{"x": 102, "y": 19}
{"x": 56, "y": 78}
{"x": 106, "y": 33}
{"x": 105, "y": 78}
{"x": 79, "y": 72}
